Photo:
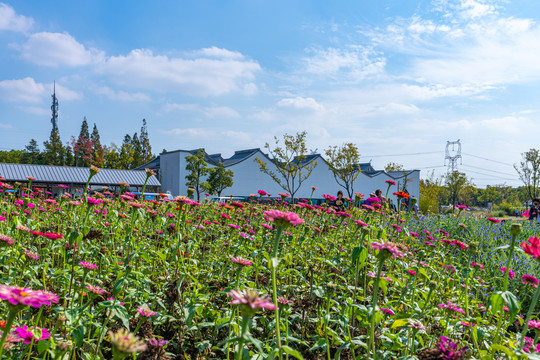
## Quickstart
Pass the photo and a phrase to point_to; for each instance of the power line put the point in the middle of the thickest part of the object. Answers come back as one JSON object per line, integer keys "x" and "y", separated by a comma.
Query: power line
{"x": 410, "y": 154}
{"x": 498, "y": 172}
{"x": 483, "y": 158}
{"x": 493, "y": 177}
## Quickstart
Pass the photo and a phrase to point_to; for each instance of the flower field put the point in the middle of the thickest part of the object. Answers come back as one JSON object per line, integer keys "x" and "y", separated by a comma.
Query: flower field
{"x": 107, "y": 276}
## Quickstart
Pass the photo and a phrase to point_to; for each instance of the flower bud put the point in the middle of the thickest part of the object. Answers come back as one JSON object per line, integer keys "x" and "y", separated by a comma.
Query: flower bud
{"x": 190, "y": 192}
{"x": 515, "y": 229}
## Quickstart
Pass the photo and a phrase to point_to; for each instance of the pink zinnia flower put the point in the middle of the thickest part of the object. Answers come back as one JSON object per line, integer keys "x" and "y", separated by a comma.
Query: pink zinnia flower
{"x": 283, "y": 218}
{"x": 511, "y": 274}
{"x": 387, "y": 249}
{"x": 27, "y": 334}
{"x": 411, "y": 272}
{"x": 477, "y": 265}
{"x": 96, "y": 290}
{"x": 390, "y": 182}
{"x": 241, "y": 261}
{"x": 146, "y": 312}
{"x": 387, "y": 311}
{"x": 529, "y": 280}
{"x": 493, "y": 220}
{"x": 533, "y": 248}
{"x": 535, "y": 325}
{"x": 261, "y": 192}
{"x": 452, "y": 307}
{"x": 250, "y": 300}
{"x": 53, "y": 236}
{"x": 6, "y": 240}
{"x": 461, "y": 207}
{"x": 284, "y": 301}
{"x": 360, "y": 223}
{"x": 31, "y": 255}
{"x": 22, "y": 296}
{"x": 87, "y": 265}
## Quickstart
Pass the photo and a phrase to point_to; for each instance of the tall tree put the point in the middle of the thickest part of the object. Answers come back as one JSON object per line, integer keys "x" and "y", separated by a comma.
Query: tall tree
{"x": 455, "y": 182}
{"x": 218, "y": 180}
{"x": 111, "y": 156}
{"x": 146, "y": 148}
{"x": 392, "y": 166}
{"x": 137, "y": 150}
{"x": 32, "y": 155}
{"x": 97, "y": 148}
{"x": 126, "y": 153}
{"x": 54, "y": 150}
{"x": 292, "y": 169}
{"x": 82, "y": 147}
{"x": 430, "y": 194}
{"x": 343, "y": 162}
{"x": 12, "y": 156}
{"x": 529, "y": 171}
{"x": 197, "y": 168}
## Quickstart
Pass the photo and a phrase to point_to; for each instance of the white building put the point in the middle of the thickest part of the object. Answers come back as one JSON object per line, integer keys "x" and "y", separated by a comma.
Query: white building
{"x": 248, "y": 179}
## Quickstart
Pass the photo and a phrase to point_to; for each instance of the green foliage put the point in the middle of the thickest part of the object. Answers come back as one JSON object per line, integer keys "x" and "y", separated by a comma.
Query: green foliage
{"x": 197, "y": 168}
{"x": 291, "y": 168}
{"x": 54, "y": 150}
{"x": 455, "y": 182}
{"x": 392, "y": 166}
{"x": 12, "y": 156}
{"x": 529, "y": 171}
{"x": 343, "y": 162}
{"x": 430, "y": 194}
{"x": 218, "y": 180}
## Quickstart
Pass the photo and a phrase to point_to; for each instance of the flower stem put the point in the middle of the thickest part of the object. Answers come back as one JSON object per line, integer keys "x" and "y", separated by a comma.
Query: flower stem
{"x": 9, "y": 322}
{"x": 371, "y": 345}
{"x": 529, "y": 314}
{"x": 245, "y": 322}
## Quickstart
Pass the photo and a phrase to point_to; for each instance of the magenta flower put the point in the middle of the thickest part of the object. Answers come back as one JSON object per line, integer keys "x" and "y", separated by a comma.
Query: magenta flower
{"x": 535, "y": 325}
{"x": 146, "y": 312}
{"x": 284, "y": 301}
{"x": 477, "y": 265}
{"x": 462, "y": 207}
{"x": 261, "y": 192}
{"x": 157, "y": 343}
{"x": 451, "y": 307}
{"x": 450, "y": 350}
{"x": 88, "y": 266}
{"x": 387, "y": 311}
{"x": 493, "y": 220}
{"x": 283, "y": 218}
{"x": 250, "y": 300}
{"x": 31, "y": 255}
{"x": 241, "y": 261}
{"x": 533, "y": 248}
{"x": 27, "y": 334}
{"x": 24, "y": 297}
{"x": 390, "y": 182}
{"x": 92, "y": 201}
{"x": 6, "y": 240}
{"x": 511, "y": 274}
{"x": 360, "y": 223}
{"x": 411, "y": 272}
{"x": 529, "y": 280}
{"x": 387, "y": 249}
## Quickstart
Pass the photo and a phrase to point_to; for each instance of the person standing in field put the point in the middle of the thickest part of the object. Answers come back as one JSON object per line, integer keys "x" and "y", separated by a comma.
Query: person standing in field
{"x": 339, "y": 203}
{"x": 534, "y": 211}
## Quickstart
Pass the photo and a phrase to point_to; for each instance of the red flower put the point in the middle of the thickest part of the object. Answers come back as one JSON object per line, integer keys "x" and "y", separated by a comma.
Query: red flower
{"x": 533, "y": 248}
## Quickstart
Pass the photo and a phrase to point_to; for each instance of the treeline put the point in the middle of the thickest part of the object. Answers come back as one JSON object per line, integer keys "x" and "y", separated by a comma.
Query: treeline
{"x": 85, "y": 150}
{"x": 456, "y": 188}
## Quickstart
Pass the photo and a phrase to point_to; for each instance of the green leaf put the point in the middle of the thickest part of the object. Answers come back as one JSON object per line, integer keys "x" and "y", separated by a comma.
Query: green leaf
{"x": 504, "y": 349}
{"x": 356, "y": 253}
{"x": 292, "y": 352}
{"x": 78, "y": 334}
{"x": 400, "y": 323}
{"x": 512, "y": 303}
{"x": 122, "y": 314}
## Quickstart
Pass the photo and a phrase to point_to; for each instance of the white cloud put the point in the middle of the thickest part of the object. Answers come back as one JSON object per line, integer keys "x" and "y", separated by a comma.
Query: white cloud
{"x": 300, "y": 103}
{"x": 9, "y": 20}
{"x": 200, "y": 133}
{"x": 57, "y": 49}
{"x": 27, "y": 90}
{"x": 395, "y": 108}
{"x": 121, "y": 95}
{"x": 202, "y": 76}
{"x": 6, "y": 126}
{"x": 356, "y": 61}
{"x": 216, "y": 52}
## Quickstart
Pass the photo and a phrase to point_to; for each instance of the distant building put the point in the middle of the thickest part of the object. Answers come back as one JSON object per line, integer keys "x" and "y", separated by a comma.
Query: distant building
{"x": 248, "y": 179}
{"x": 49, "y": 177}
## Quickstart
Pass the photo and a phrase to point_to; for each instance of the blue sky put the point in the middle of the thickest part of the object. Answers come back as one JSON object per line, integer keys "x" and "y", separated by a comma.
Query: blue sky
{"x": 394, "y": 77}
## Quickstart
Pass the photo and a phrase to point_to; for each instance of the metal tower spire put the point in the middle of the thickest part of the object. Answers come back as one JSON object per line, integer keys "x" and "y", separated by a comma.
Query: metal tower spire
{"x": 453, "y": 159}
{"x": 54, "y": 108}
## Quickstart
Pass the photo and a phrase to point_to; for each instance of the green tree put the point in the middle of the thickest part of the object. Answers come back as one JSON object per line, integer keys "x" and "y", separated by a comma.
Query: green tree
{"x": 97, "y": 148}
{"x": 197, "y": 167}
{"x": 137, "y": 151}
{"x": 343, "y": 162}
{"x": 127, "y": 152}
{"x": 455, "y": 182}
{"x": 490, "y": 194}
{"x": 292, "y": 169}
{"x": 392, "y": 166}
{"x": 82, "y": 147}
{"x": 219, "y": 179}
{"x": 430, "y": 194}
{"x": 111, "y": 156}
{"x": 32, "y": 155}
{"x": 146, "y": 148}
{"x": 529, "y": 171}
{"x": 54, "y": 150}
{"x": 12, "y": 156}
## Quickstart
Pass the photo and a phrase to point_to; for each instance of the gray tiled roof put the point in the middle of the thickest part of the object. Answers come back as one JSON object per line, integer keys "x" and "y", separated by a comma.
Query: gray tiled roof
{"x": 74, "y": 175}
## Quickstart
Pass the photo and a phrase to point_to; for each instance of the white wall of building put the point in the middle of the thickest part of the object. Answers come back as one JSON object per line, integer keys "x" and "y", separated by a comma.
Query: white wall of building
{"x": 248, "y": 179}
